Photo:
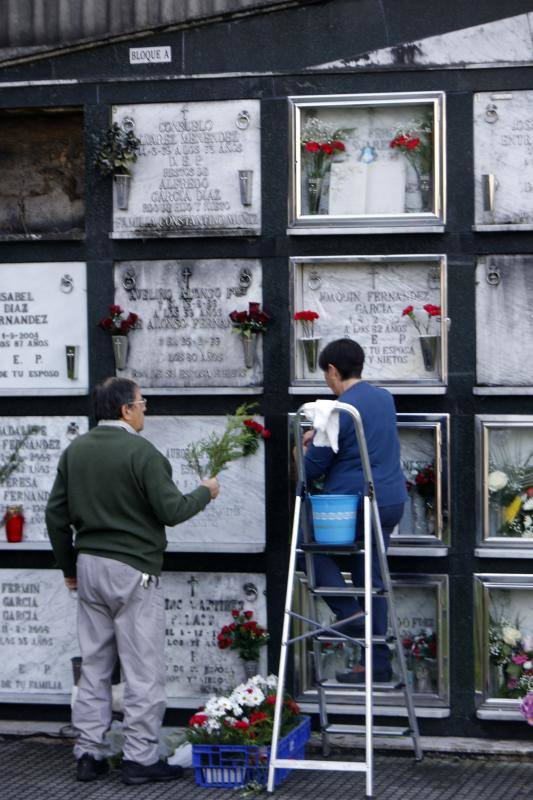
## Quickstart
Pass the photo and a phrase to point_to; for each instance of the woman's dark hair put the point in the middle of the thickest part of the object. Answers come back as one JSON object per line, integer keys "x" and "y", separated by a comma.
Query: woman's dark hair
{"x": 346, "y": 355}
{"x": 110, "y": 395}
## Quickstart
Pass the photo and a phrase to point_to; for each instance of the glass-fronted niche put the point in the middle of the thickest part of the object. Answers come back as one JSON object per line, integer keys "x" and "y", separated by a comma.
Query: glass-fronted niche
{"x": 424, "y": 445}
{"x": 367, "y": 163}
{"x": 424, "y": 529}
{"x": 421, "y": 603}
{"x": 504, "y": 455}
{"x": 503, "y": 637}
{"x": 394, "y": 306}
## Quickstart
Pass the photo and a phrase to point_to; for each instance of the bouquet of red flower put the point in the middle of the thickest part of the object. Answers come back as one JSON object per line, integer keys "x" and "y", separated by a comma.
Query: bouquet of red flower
{"x": 115, "y": 325}
{"x": 417, "y": 145}
{"x": 319, "y": 144}
{"x": 421, "y": 646}
{"x": 307, "y": 318}
{"x": 241, "y": 438}
{"x": 252, "y": 321}
{"x": 431, "y": 311}
{"x": 243, "y": 634}
{"x": 425, "y": 481}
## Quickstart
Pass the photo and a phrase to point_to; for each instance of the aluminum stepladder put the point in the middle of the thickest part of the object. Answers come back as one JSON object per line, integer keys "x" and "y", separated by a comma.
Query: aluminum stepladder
{"x": 320, "y": 633}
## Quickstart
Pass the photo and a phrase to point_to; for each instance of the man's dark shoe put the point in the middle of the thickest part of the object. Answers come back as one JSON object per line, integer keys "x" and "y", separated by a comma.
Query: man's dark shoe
{"x": 89, "y": 768}
{"x": 379, "y": 676}
{"x": 133, "y": 773}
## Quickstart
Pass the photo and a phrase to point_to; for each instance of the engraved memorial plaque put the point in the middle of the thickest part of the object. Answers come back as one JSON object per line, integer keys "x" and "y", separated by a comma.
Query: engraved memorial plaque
{"x": 363, "y": 298}
{"x": 235, "y": 521}
{"x": 184, "y": 337}
{"x": 504, "y": 316}
{"x": 503, "y": 160}
{"x": 37, "y": 636}
{"x": 197, "y": 605}
{"x": 43, "y": 329}
{"x": 29, "y": 485}
{"x": 198, "y": 172}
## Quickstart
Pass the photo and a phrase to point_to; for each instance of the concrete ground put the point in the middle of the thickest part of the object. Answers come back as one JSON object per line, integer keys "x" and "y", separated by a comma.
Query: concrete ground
{"x": 38, "y": 768}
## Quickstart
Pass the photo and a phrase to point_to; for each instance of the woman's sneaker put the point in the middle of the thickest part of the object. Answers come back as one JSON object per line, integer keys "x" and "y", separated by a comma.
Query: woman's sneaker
{"x": 133, "y": 773}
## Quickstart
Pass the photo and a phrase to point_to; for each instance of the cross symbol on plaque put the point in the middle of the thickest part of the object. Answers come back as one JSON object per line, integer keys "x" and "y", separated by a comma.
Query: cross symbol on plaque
{"x": 373, "y": 272}
{"x": 184, "y": 112}
{"x": 186, "y": 275}
{"x": 192, "y": 581}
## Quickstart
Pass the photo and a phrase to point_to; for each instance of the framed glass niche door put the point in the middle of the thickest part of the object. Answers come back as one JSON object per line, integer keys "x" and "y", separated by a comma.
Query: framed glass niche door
{"x": 367, "y": 163}
{"x": 504, "y": 459}
{"x": 422, "y": 609}
{"x": 425, "y": 526}
{"x": 381, "y": 302}
{"x": 503, "y": 640}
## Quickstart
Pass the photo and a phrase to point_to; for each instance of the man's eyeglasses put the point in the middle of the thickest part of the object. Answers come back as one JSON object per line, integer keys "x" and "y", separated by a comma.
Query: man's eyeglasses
{"x": 142, "y": 402}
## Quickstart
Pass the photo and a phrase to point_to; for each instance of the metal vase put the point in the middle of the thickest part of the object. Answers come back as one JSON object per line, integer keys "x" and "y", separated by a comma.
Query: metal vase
{"x": 430, "y": 351}
{"x": 424, "y": 182}
{"x": 245, "y": 186}
{"x": 122, "y": 184}
{"x": 310, "y": 349}
{"x": 120, "y": 351}
{"x": 314, "y": 189}
{"x": 251, "y": 669}
{"x": 249, "y": 345}
{"x": 71, "y": 354}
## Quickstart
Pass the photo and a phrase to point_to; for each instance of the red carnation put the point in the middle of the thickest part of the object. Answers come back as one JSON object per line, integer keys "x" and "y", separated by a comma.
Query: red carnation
{"x": 241, "y": 725}
{"x": 132, "y": 318}
{"x": 248, "y": 614}
{"x": 266, "y": 434}
{"x": 312, "y": 147}
{"x": 270, "y": 699}
{"x": 327, "y": 149}
{"x": 407, "y": 311}
{"x": 338, "y": 145}
{"x": 413, "y": 143}
{"x": 257, "y": 716}
{"x": 106, "y": 323}
{"x": 234, "y": 613}
{"x": 115, "y": 310}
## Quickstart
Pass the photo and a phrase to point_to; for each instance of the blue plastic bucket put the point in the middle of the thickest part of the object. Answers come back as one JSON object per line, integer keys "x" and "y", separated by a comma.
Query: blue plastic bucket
{"x": 334, "y": 518}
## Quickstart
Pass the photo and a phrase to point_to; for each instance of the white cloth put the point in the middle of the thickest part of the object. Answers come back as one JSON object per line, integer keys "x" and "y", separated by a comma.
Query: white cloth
{"x": 325, "y": 419}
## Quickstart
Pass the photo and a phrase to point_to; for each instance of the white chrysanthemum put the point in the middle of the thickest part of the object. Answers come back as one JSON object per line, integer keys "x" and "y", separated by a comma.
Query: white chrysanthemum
{"x": 528, "y": 665}
{"x": 212, "y": 725}
{"x": 511, "y": 635}
{"x": 254, "y": 697}
{"x": 272, "y": 681}
{"x": 497, "y": 480}
{"x": 528, "y": 504}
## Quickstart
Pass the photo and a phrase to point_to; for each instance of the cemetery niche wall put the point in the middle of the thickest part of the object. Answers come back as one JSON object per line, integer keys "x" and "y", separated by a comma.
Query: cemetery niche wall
{"x": 504, "y": 293}
{"x": 422, "y": 605}
{"x": 43, "y": 174}
{"x": 367, "y": 163}
{"x": 378, "y": 301}
{"x": 236, "y": 522}
{"x": 39, "y": 442}
{"x": 43, "y": 329}
{"x": 503, "y": 637}
{"x": 184, "y": 341}
{"x": 503, "y": 167}
{"x": 504, "y": 454}
{"x": 198, "y": 171}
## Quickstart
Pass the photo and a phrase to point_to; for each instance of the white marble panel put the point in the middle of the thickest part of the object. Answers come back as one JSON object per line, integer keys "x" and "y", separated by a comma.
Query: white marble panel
{"x": 43, "y": 308}
{"x": 417, "y": 448}
{"x": 30, "y": 484}
{"x": 416, "y": 608}
{"x": 37, "y": 633}
{"x": 364, "y": 301}
{"x": 235, "y": 521}
{"x": 198, "y": 604}
{"x": 185, "y": 337}
{"x": 194, "y": 162}
{"x": 503, "y": 149}
{"x": 504, "y": 320}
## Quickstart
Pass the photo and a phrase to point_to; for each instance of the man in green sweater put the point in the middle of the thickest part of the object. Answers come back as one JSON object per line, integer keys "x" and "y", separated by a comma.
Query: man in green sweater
{"x": 114, "y": 491}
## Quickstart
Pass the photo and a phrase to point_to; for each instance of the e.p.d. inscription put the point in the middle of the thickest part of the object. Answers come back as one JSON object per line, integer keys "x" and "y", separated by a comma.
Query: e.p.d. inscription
{"x": 184, "y": 337}
{"x": 198, "y": 171}
{"x": 43, "y": 329}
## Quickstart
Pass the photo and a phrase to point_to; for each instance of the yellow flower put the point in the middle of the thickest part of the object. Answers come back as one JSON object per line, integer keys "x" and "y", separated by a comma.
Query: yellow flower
{"x": 510, "y": 511}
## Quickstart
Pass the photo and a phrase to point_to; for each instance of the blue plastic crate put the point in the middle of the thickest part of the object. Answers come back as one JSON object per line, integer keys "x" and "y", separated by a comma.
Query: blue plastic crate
{"x": 232, "y": 765}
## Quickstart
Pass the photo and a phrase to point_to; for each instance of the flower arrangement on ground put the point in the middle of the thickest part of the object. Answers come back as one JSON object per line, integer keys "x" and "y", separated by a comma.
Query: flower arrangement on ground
{"x": 511, "y": 495}
{"x": 245, "y": 716}
{"x": 241, "y": 438}
{"x": 115, "y": 324}
{"x": 248, "y": 322}
{"x": 512, "y": 653}
{"x": 422, "y": 327}
{"x": 243, "y": 634}
{"x": 320, "y": 142}
{"x": 116, "y": 150}
{"x": 416, "y": 143}
{"x": 307, "y": 320}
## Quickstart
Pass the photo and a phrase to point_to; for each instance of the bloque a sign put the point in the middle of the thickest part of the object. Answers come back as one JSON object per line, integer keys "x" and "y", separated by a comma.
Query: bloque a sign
{"x": 198, "y": 172}
{"x": 184, "y": 337}
{"x": 43, "y": 329}
{"x": 235, "y": 521}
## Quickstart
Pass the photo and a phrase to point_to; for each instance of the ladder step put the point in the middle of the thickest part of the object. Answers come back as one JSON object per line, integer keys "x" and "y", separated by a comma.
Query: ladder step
{"x": 338, "y": 549}
{"x": 359, "y": 639}
{"x": 351, "y": 591}
{"x": 358, "y": 689}
{"x": 296, "y": 763}
{"x": 377, "y": 730}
